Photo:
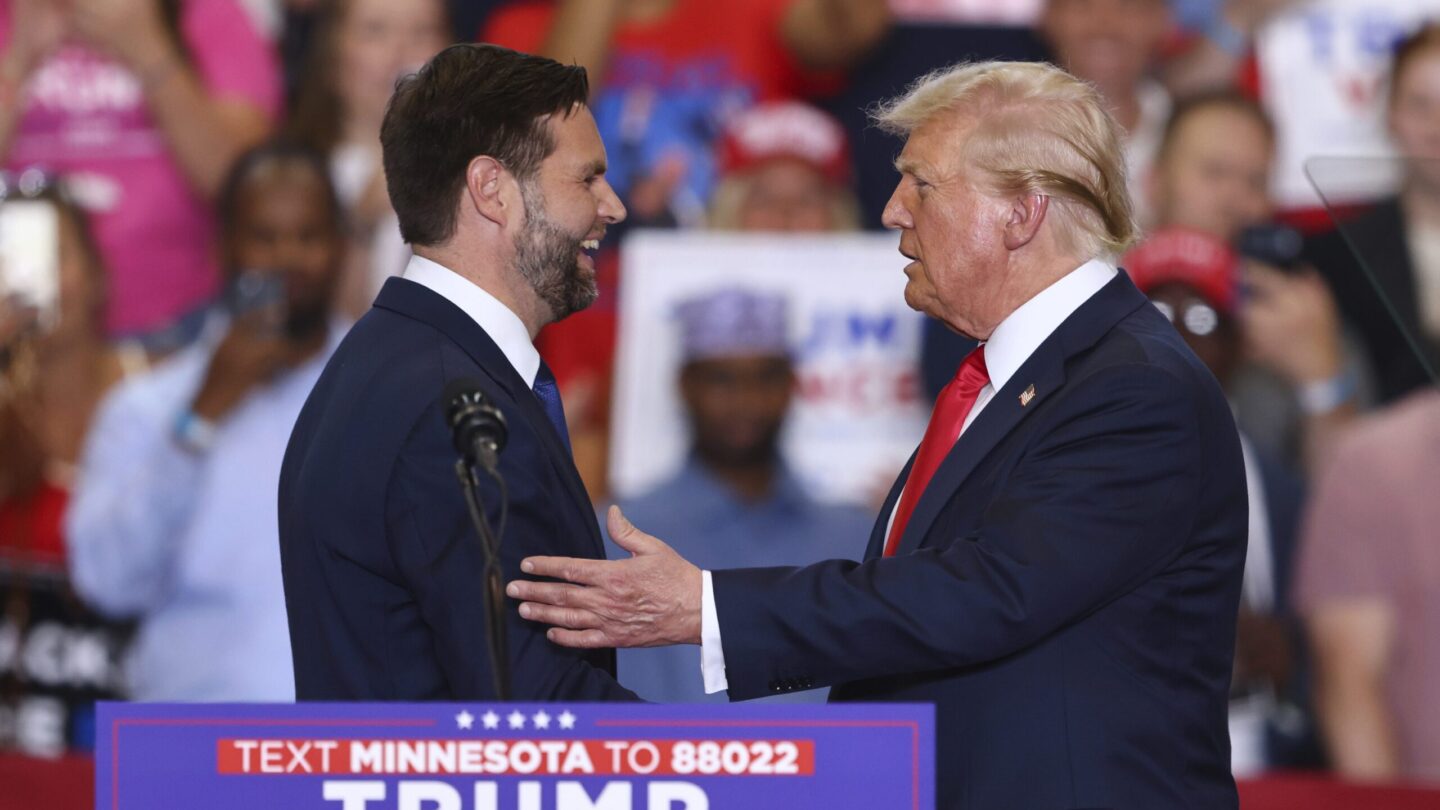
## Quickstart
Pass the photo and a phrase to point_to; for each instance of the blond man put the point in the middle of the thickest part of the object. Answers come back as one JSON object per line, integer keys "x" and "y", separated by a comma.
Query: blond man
{"x": 1058, "y": 568}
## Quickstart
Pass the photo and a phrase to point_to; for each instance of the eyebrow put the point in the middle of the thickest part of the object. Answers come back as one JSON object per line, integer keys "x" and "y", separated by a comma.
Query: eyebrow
{"x": 593, "y": 168}
{"x": 909, "y": 166}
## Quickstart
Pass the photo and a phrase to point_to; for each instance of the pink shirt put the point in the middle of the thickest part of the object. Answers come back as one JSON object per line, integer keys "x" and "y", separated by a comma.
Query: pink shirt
{"x": 86, "y": 117}
{"x": 1373, "y": 532}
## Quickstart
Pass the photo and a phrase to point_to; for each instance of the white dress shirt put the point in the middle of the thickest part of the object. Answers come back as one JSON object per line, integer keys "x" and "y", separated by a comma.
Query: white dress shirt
{"x": 1010, "y": 345}
{"x": 499, "y": 322}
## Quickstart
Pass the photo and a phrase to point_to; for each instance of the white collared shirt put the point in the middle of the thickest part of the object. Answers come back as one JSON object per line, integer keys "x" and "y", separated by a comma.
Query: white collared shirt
{"x": 1010, "y": 345}
{"x": 499, "y": 322}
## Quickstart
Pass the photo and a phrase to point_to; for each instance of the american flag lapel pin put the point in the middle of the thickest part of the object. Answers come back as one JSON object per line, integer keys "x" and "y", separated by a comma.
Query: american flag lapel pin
{"x": 1028, "y": 395}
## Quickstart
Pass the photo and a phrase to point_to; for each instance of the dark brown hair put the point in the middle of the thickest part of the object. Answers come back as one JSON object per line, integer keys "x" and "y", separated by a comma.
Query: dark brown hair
{"x": 1409, "y": 49}
{"x": 1224, "y": 99}
{"x": 469, "y": 100}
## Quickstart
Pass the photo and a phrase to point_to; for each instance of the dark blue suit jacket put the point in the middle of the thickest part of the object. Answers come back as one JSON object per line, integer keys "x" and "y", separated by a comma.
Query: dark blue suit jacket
{"x": 1065, "y": 592}
{"x": 382, "y": 569}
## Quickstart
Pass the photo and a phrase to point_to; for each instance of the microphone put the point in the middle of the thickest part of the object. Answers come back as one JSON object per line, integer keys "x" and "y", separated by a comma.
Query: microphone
{"x": 476, "y": 426}
{"x": 478, "y": 430}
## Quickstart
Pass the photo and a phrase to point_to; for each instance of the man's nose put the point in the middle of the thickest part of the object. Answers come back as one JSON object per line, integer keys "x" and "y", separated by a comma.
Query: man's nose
{"x": 611, "y": 209}
{"x": 896, "y": 215}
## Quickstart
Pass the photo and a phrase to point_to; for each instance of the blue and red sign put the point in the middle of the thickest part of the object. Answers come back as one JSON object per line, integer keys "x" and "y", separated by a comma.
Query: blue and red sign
{"x": 583, "y": 756}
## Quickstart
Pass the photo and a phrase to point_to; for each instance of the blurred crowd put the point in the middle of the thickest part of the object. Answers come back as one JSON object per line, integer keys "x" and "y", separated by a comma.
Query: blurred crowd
{"x": 193, "y": 209}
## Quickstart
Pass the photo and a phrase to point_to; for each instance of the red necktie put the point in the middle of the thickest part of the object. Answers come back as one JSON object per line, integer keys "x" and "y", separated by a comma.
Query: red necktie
{"x": 955, "y": 402}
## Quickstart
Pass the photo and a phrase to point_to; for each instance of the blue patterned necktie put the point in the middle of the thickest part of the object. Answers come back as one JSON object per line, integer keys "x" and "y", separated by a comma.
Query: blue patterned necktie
{"x": 549, "y": 395}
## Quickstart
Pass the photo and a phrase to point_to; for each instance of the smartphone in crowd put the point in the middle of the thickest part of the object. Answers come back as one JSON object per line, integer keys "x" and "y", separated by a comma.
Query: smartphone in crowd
{"x": 30, "y": 257}
{"x": 258, "y": 293}
{"x": 1279, "y": 246}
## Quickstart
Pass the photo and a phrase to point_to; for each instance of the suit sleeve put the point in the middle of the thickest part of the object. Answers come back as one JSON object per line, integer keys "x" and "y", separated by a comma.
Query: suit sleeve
{"x": 438, "y": 555}
{"x": 1102, "y": 499}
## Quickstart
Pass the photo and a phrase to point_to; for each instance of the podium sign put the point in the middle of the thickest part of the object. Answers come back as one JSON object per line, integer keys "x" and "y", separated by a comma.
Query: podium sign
{"x": 464, "y": 756}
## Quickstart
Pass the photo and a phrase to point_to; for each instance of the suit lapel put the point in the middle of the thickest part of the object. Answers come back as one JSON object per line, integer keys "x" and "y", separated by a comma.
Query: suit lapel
{"x": 1039, "y": 378}
{"x": 1001, "y": 415}
{"x": 416, "y": 301}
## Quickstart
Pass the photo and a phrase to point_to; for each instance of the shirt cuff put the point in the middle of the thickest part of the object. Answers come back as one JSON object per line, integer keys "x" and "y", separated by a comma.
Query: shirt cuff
{"x": 712, "y": 655}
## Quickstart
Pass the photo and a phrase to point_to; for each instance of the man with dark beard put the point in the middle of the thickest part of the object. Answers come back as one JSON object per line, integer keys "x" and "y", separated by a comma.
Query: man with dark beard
{"x": 497, "y": 174}
{"x": 172, "y": 521}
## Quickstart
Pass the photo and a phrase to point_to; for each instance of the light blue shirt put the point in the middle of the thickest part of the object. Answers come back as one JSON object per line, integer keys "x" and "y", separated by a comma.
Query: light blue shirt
{"x": 707, "y": 523}
{"x": 188, "y": 542}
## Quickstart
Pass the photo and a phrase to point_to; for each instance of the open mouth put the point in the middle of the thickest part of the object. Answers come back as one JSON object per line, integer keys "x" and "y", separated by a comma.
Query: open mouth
{"x": 586, "y": 256}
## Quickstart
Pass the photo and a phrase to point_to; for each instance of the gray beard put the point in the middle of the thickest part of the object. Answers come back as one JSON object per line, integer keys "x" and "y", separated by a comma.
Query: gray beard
{"x": 545, "y": 256}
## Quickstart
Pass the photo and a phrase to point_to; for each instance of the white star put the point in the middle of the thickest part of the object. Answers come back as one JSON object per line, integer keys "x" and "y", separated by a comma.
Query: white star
{"x": 517, "y": 720}
{"x": 465, "y": 720}
{"x": 490, "y": 719}
{"x": 541, "y": 719}
{"x": 567, "y": 720}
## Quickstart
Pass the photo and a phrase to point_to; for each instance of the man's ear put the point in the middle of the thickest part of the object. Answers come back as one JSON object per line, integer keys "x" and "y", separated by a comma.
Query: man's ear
{"x": 1027, "y": 214}
{"x": 485, "y": 184}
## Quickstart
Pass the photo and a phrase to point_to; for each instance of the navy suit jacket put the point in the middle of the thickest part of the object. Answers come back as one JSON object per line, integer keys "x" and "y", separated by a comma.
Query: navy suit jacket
{"x": 1065, "y": 592}
{"x": 382, "y": 568}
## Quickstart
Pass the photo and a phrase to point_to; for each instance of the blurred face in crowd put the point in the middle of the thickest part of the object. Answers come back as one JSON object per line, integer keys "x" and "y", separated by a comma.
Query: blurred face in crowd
{"x": 787, "y": 195}
{"x": 1415, "y": 116}
{"x": 284, "y": 224}
{"x": 737, "y": 406}
{"x": 568, "y": 206}
{"x": 951, "y": 230}
{"x": 377, "y": 41}
{"x": 1108, "y": 42}
{"x": 1214, "y": 176}
{"x": 1210, "y": 335}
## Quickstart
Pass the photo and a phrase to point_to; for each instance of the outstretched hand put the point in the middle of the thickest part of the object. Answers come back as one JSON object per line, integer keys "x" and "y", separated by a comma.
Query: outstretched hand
{"x": 650, "y": 600}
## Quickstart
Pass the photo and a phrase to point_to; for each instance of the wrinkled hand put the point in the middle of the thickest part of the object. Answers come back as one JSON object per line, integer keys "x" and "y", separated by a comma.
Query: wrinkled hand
{"x": 649, "y": 600}
{"x": 1291, "y": 324}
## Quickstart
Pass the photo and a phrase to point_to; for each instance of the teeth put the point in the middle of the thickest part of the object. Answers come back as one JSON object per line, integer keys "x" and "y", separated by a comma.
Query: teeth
{"x": 591, "y": 244}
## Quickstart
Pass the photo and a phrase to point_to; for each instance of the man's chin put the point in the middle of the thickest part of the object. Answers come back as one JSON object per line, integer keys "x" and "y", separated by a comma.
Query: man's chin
{"x": 913, "y": 299}
{"x": 577, "y": 298}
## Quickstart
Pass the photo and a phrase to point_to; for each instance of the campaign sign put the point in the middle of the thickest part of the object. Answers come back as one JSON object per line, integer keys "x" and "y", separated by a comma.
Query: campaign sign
{"x": 858, "y": 410}
{"x": 460, "y": 756}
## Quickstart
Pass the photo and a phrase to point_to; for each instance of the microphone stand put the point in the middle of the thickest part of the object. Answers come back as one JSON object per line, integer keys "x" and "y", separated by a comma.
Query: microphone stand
{"x": 494, "y": 588}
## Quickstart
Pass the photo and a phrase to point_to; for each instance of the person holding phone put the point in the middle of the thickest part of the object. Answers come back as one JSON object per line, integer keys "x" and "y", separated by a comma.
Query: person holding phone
{"x": 144, "y": 105}
{"x": 174, "y": 519}
{"x": 1300, "y": 384}
{"x": 55, "y": 364}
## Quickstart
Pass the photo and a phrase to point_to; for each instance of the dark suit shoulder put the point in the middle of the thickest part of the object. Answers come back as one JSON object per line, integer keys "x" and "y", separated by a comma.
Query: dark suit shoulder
{"x": 1145, "y": 339}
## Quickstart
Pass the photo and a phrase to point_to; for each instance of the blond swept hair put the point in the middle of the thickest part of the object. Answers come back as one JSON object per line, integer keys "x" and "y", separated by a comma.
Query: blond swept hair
{"x": 1036, "y": 130}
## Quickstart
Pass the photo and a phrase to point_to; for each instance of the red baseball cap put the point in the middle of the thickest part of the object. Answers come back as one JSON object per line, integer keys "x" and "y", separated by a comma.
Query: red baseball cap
{"x": 1184, "y": 256}
{"x": 786, "y": 129}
